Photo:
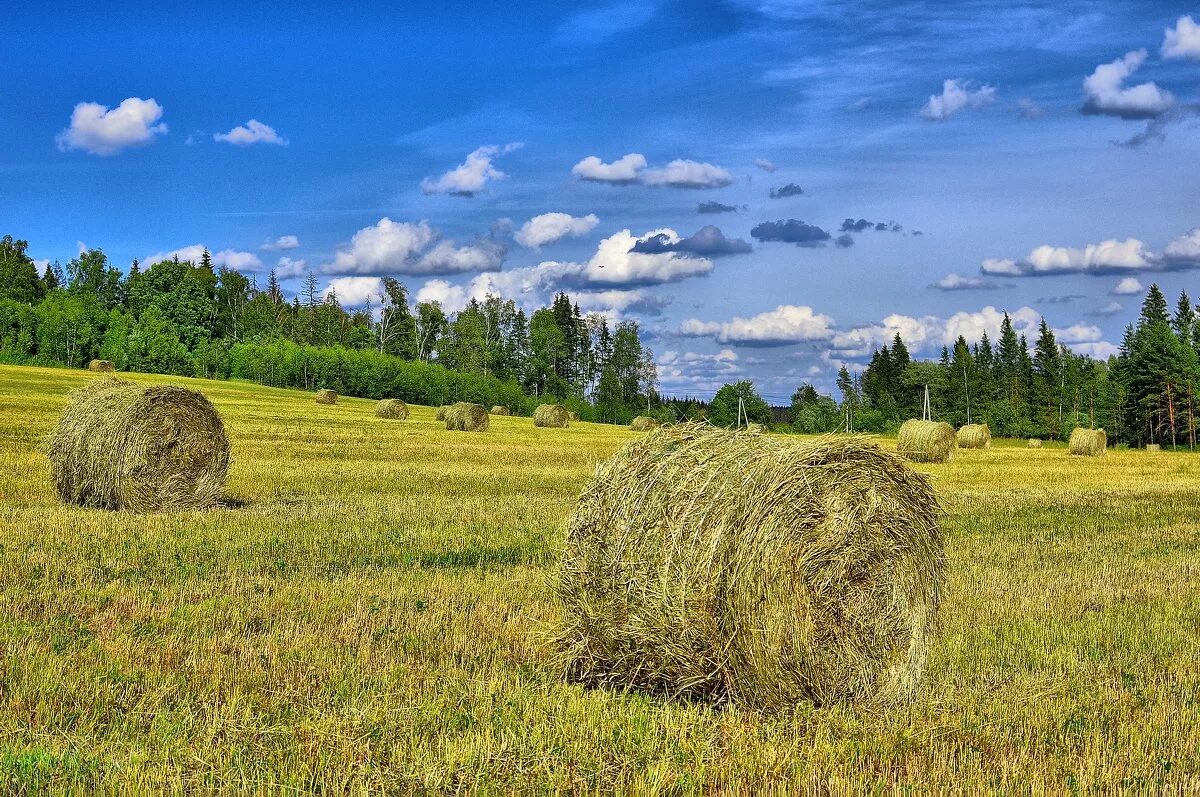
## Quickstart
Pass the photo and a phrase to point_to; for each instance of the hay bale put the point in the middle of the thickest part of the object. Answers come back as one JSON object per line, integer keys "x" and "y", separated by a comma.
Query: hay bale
{"x": 441, "y": 412}
{"x": 1153, "y": 447}
{"x": 926, "y": 441}
{"x": 119, "y": 445}
{"x": 393, "y": 409}
{"x": 574, "y": 416}
{"x": 462, "y": 416}
{"x": 975, "y": 435}
{"x": 1088, "y": 442}
{"x": 707, "y": 564}
{"x": 325, "y": 396}
{"x": 643, "y": 423}
{"x": 498, "y": 410}
{"x": 101, "y": 366}
{"x": 552, "y": 416}
{"x": 1035, "y": 442}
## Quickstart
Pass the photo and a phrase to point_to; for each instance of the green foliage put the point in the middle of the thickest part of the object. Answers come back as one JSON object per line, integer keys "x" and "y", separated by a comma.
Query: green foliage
{"x": 723, "y": 411}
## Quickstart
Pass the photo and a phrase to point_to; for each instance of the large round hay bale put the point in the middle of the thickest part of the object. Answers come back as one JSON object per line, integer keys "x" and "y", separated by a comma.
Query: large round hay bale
{"x": 926, "y": 441}
{"x": 552, "y": 416}
{"x": 707, "y": 564}
{"x": 1035, "y": 442}
{"x": 393, "y": 409}
{"x": 100, "y": 366}
{"x": 462, "y": 416}
{"x": 119, "y": 445}
{"x": 975, "y": 435}
{"x": 643, "y": 423}
{"x": 1088, "y": 442}
{"x": 498, "y": 410}
{"x": 325, "y": 396}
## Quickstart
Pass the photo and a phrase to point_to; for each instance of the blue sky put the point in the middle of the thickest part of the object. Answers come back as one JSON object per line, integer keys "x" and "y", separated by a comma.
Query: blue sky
{"x": 1046, "y": 151}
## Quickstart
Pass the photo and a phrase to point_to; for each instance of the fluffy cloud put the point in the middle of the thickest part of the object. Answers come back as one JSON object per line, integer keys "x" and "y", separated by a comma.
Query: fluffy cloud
{"x": 764, "y": 164}
{"x": 785, "y": 191}
{"x": 708, "y": 241}
{"x": 1129, "y": 286}
{"x": 1184, "y": 250}
{"x": 929, "y": 333}
{"x": 550, "y": 227}
{"x": 615, "y": 303}
{"x": 1098, "y": 350}
{"x": 632, "y": 169}
{"x": 792, "y": 231}
{"x": 469, "y": 177}
{"x": 616, "y": 263}
{"x": 1112, "y": 308}
{"x": 1106, "y": 257}
{"x": 281, "y": 243}
{"x": 779, "y": 327}
{"x": 452, "y": 298}
{"x": 1107, "y": 95}
{"x": 686, "y": 371}
{"x": 287, "y": 268}
{"x": 98, "y": 130}
{"x": 229, "y": 258}
{"x": 1078, "y": 333}
{"x": 1182, "y": 41}
{"x": 716, "y": 207}
{"x": 955, "y": 282}
{"x": 393, "y": 247}
{"x": 956, "y": 95}
{"x": 354, "y": 291}
{"x": 622, "y": 171}
{"x": 253, "y": 132}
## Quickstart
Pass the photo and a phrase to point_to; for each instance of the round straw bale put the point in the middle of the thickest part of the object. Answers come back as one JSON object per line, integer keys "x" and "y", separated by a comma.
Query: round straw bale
{"x": 441, "y": 412}
{"x": 394, "y": 409}
{"x": 325, "y": 396}
{"x": 102, "y": 366}
{"x": 1153, "y": 447}
{"x": 711, "y": 565}
{"x": 1088, "y": 442}
{"x": 119, "y": 445}
{"x": 552, "y": 416}
{"x": 498, "y": 410}
{"x": 643, "y": 423}
{"x": 975, "y": 435}
{"x": 1035, "y": 442}
{"x": 462, "y": 416}
{"x": 926, "y": 441}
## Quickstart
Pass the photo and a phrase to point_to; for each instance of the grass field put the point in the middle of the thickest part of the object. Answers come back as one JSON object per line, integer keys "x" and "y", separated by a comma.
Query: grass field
{"x": 371, "y": 614}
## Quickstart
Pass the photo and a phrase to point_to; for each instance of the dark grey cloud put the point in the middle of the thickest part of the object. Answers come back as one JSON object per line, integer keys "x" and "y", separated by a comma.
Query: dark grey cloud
{"x": 791, "y": 231}
{"x": 861, "y": 225}
{"x": 717, "y": 207}
{"x": 844, "y": 240}
{"x": 708, "y": 241}
{"x": 1065, "y": 299}
{"x": 785, "y": 191}
{"x": 1155, "y": 131}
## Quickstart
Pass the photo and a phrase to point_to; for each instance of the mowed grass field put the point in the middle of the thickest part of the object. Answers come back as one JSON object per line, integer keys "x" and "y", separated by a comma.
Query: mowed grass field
{"x": 372, "y": 613}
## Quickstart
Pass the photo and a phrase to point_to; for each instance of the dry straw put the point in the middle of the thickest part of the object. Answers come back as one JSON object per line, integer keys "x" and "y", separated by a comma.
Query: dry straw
{"x": 975, "y": 435}
{"x": 1035, "y": 442}
{"x": 1088, "y": 442}
{"x": 101, "y": 366}
{"x": 711, "y": 565}
{"x": 463, "y": 416}
{"x": 1153, "y": 447}
{"x": 552, "y": 416}
{"x": 498, "y": 410}
{"x": 393, "y": 409}
{"x": 643, "y": 423}
{"x": 926, "y": 441}
{"x": 119, "y": 445}
{"x": 325, "y": 396}
{"x": 441, "y": 412}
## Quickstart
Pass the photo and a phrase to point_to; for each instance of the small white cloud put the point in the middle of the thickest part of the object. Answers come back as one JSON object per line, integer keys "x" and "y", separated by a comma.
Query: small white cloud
{"x": 551, "y": 227}
{"x": 1182, "y": 41}
{"x": 1129, "y": 286}
{"x": 764, "y": 164}
{"x": 1078, "y": 333}
{"x": 395, "y": 247}
{"x": 1097, "y": 350}
{"x": 468, "y": 178}
{"x": 229, "y": 258}
{"x": 623, "y": 170}
{"x": 614, "y": 263}
{"x": 281, "y": 243}
{"x": 1106, "y": 257}
{"x": 1106, "y": 93}
{"x": 956, "y": 95}
{"x": 785, "y": 324}
{"x": 1185, "y": 249}
{"x": 97, "y": 130}
{"x": 287, "y": 268}
{"x": 631, "y": 169}
{"x": 957, "y": 282}
{"x": 354, "y": 291}
{"x": 253, "y": 132}
{"x": 1112, "y": 308}
{"x": 452, "y": 298}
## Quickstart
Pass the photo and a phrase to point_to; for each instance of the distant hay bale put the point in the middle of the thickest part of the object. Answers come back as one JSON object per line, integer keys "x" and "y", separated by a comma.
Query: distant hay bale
{"x": 975, "y": 435}
{"x": 926, "y": 441}
{"x": 643, "y": 423}
{"x": 1153, "y": 447}
{"x": 441, "y": 412}
{"x": 706, "y": 564}
{"x": 552, "y": 416}
{"x": 1035, "y": 442}
{"x": 101, "y": 366}
{"x": 1088, "y": 442}
{"x": 325, "y": 396}
{"x": 574, "y": 416}
{"x": 393, "y": 409}
{"x": 119, "y": 445}
{"x": 498, "y": 410}
{"x": 462, "y": 416}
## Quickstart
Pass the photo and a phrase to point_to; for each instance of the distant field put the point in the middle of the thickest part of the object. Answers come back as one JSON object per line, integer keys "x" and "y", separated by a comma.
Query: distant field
{"x": 374, "y": 615}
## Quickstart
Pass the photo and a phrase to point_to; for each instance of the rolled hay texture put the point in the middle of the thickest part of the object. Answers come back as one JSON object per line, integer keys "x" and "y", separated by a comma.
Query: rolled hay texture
{"x": 498, "y": 410}
{"x": 552, "y": 416}
{"x": 574, "y": 416}
{"x": 119, "y": 445}
{"x": 325, "y": 396}
{"x": 926, "y": 441}
{"x": 1035, "y": 442}
{"x": 101, "y": 366}
{"x": 441, "y": 412}
{"x": 462, "y": 416}
{"x": 709, "y": 565}
{"x": 394, "y": 409}
{"x": 643, "y": 423}
{"x": 975, "y": 435}
{"x": 1153, "y": 447}
{"x": 1088, "y": 442}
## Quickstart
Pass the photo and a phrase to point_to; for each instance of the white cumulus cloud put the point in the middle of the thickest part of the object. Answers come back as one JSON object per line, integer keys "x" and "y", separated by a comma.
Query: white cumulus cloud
{"x": 281, "y": 243}
{"x": 468, "y": 178}
{"x": 1182, "y": 41}
{"x": 632, "y": 169}
{"x": 1106, "y": 257}
{"x": 99, "y": 130}
{"x": 451, "y": 297}
{"x": 230, "y": 258}
{"x": 1107, "y": 94}
{"x": 287, "y": 268}
{"x": 397, "y": 247}
{"x": 253, "y": 132}
{"x": 1129, "y": 286}
{"x": 548, "y": 228}
{"x": 1185, "y": 249}
{"x": 354, "y": 291}
{"x": 622, "y": 170}
{"x": 957, "y": 95}
{"x": 785, "y": 324}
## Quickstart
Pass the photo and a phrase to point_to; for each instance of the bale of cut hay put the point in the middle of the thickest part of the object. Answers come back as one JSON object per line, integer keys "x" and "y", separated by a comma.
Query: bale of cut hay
{"x": 706, "y": 564}
{"x": 1035, "y": 442}
{"x": 552, "y": 416}
{"x": 498, "y": 410}
{"x": 1153, "y": 447}
{"x": 101, "y": 366}
{"x": 643, "y": 423}
{"x": 119, "y": 445}
{"x": 325, "y": 396}
{"x": 393, "y": 409}
{"x": 1088, "y": 442}
{"x": 441, "y": 412}
{"x": 926, "y": 441}
{"x": 574, "y": 416}
{"x": 975, "y": 435}
{"x": 462, "y": 416}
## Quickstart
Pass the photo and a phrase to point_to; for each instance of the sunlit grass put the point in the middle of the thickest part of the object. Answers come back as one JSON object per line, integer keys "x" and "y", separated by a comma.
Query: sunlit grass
{"x": 374, "y": 615}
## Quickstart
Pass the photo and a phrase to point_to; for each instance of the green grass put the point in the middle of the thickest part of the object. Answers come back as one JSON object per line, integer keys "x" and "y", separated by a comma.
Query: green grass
{"x": 374, "y": 616}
